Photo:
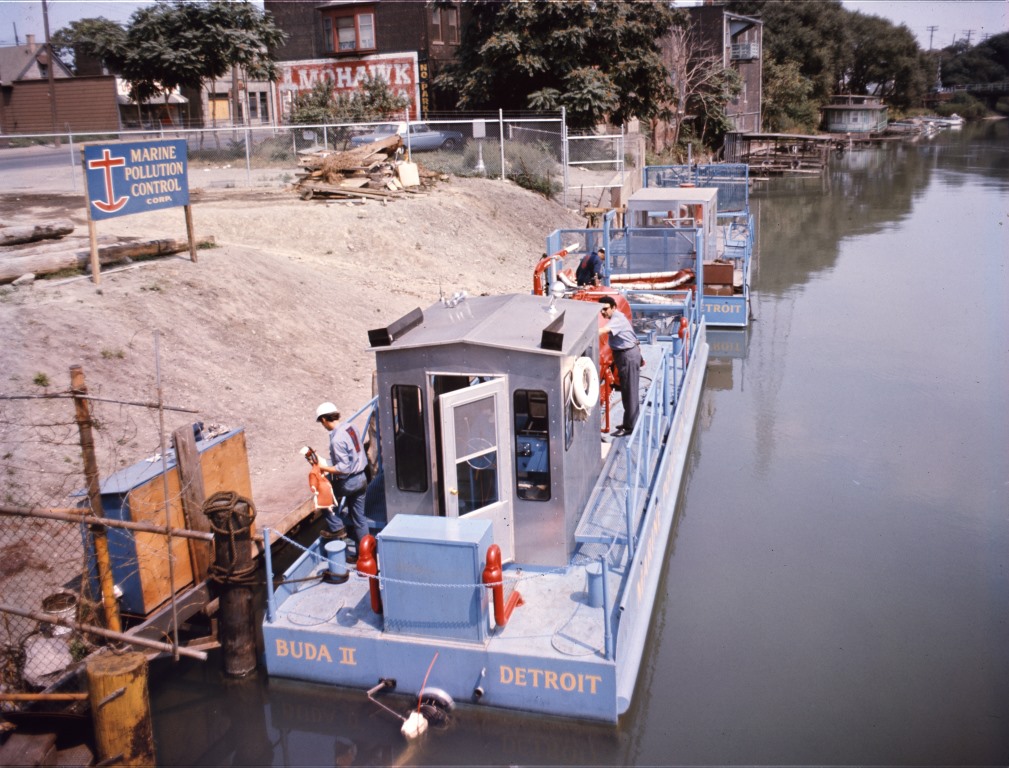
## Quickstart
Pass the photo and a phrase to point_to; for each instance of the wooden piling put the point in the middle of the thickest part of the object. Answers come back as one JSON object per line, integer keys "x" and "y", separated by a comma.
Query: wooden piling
{"x": 102, "y": 559}
{"x": 117, "y": 688}
{"x": 231, "y": 518}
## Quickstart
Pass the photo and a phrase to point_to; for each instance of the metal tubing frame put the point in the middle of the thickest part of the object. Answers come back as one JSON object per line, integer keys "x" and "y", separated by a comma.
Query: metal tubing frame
{"x": 271, "y": 598}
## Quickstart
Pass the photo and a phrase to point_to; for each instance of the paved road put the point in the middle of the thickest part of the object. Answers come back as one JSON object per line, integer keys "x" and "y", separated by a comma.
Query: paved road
{"x": 58, "y": 170}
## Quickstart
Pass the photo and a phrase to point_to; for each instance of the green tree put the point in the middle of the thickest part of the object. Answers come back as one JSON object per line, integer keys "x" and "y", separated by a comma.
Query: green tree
{"x": 597, "y": 60}
{"x": 884, "y": 60}
{"x": 97, "y": 38}
{"x": 815, "y": 35}
{"x": 786, "y": 102}
{"x": 185, "y": 44}
{"x": 986, "y": 62}
{"x": 838, "y": 51}
{"x": 373, "y": 100}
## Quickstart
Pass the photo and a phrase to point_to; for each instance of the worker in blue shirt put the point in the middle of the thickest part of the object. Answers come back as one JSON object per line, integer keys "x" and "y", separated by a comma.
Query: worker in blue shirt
{"x": 627, "y": 358}
{"x": 590, "y": 269}
{"x": 348, "y": 461}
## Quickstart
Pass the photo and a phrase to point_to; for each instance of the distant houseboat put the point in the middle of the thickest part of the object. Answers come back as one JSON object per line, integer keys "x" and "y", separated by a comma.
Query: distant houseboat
{"x": 848, "y": 113}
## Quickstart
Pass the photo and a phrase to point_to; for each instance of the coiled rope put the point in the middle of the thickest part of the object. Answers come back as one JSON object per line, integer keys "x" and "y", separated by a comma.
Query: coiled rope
{"x": 231, "y": 519}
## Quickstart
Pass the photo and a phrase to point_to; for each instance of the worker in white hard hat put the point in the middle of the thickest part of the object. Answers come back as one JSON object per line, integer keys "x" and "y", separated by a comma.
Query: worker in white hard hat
{"x": 347, "y": 462}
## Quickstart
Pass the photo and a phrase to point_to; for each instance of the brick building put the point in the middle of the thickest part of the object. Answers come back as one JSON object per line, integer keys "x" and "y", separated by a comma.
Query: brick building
{"x": 407, "y": 42}
{"x": 739, "y": 39}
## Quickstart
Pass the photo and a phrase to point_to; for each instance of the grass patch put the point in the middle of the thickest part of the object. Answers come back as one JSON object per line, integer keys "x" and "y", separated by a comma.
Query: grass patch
{"x": 41, "y": 379}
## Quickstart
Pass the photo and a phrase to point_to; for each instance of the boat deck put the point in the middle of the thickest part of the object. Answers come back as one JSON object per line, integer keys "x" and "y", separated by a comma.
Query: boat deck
{"x": 557, "y": 652}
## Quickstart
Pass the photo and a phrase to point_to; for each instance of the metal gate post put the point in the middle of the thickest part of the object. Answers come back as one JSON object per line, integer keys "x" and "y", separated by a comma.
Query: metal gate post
{"x": 564, "y": 152}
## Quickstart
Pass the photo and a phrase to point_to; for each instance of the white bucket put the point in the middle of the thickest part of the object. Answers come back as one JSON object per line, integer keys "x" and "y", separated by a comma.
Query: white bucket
{"x": 60, "y": 605}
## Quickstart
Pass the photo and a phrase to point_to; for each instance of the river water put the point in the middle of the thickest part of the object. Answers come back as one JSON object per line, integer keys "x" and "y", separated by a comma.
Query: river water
{"x": 837, "y": 589}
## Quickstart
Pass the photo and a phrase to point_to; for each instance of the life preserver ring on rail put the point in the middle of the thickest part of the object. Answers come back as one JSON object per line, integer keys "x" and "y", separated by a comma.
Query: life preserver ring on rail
{"x": 585, "y": 383}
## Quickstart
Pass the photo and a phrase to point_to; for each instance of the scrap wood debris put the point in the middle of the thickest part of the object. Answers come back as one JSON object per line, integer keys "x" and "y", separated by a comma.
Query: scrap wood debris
{"x": 370, "y": 171}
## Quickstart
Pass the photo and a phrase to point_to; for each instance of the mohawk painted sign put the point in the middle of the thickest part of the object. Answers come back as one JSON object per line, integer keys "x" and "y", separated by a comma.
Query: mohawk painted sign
{"x": 399, "y": 70}
{"x": 136, "y": 176}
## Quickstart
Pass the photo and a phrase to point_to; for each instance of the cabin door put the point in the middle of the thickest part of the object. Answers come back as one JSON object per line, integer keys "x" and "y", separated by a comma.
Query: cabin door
{"x": 476, "y": 458}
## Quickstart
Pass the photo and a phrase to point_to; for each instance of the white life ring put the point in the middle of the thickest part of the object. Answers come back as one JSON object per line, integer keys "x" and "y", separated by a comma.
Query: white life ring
{"x": 585, "y": 383}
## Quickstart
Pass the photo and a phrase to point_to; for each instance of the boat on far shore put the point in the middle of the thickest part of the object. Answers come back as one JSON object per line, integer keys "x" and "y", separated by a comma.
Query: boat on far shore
{"x": 954, "y": 121}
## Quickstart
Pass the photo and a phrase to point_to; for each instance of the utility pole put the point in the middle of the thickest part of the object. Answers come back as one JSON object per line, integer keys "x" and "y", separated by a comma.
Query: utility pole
{"x": 969, "y": 33}
{"x": 52, "y": 77}
{"x": 931, "y": 31}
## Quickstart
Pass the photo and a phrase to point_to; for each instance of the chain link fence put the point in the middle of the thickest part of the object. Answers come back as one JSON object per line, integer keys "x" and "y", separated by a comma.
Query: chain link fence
{"x": 268, "y": 155}
{"x": 42, "y": 562}
{"x": 49, "y": 556}
{"x": 533, "y": 150}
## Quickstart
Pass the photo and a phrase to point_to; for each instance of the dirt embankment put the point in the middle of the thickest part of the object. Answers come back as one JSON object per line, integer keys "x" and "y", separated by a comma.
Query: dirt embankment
{"x": 266, "y": 325}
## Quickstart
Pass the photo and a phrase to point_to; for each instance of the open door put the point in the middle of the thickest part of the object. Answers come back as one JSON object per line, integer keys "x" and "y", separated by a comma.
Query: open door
{"x": 476, "y": 457}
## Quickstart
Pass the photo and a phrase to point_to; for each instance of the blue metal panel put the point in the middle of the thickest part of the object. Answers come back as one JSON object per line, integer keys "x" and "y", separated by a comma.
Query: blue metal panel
{"x": 431, "y": 571}
{"x": 725, "y": 310}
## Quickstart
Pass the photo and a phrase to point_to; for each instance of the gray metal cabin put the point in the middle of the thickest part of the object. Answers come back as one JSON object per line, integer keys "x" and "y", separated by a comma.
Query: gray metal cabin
{"x": 477, "y": 419}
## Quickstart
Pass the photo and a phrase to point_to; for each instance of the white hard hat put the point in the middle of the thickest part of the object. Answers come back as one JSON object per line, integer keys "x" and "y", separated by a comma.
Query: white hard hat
{"x": 325, "y": 409}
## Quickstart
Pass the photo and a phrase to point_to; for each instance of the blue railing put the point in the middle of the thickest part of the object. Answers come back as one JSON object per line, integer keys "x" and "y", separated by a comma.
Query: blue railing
{"x": 732, "y": 180}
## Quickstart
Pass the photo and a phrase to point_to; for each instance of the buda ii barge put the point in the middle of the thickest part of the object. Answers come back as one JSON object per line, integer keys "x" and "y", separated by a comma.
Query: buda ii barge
{"x": 523, "y": 547}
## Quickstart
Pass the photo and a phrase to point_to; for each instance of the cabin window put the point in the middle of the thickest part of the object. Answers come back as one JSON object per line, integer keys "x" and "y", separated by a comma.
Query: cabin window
{"x": 409, "y": 438}
{"x": 348, "y": 31}
{"x": 532, "y": 445}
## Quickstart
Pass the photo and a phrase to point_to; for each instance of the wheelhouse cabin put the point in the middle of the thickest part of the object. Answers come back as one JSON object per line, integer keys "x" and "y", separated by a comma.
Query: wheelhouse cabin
{"x": 477, "y": 421}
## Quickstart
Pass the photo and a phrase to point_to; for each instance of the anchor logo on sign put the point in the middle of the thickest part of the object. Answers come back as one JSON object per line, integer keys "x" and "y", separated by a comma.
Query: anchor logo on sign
{"x": 111, "y": 203}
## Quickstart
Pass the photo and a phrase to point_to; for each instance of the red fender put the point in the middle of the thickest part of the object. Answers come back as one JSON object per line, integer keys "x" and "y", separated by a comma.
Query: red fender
{"x": 492, "y": 578}
{"x": 367, "y": 564}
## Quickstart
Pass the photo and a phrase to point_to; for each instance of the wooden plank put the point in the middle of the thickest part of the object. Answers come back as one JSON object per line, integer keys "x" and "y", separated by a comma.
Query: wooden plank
{"x": 29, "y": 233}
{"x": 11, "y": 267}
{"x": 147, "y": 504}
{"x": 226, "y": 468}
{"x": 332, "y": 189}
{"x": 29, "y": 750}
{"x": 187, "y": 459}
{"x": 64, "y": 244}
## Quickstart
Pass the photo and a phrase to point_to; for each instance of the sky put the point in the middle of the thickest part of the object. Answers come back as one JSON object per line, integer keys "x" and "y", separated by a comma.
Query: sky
{"x": 952, "y": 17}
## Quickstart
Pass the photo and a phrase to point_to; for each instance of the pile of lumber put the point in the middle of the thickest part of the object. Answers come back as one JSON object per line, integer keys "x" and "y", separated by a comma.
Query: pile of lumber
{"x": 31, "y": 248}
{"x": 367, "y": 172}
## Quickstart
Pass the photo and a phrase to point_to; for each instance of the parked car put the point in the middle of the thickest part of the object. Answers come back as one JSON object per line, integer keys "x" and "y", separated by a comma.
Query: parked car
{"x": 422, "y": 137}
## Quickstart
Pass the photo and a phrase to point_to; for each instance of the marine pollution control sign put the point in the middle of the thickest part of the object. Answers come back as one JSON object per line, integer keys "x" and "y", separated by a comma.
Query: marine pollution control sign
{"x": 135, "y": 176}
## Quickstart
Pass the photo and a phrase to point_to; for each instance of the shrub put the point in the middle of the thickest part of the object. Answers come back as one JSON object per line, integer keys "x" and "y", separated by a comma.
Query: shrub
{"x": 531, "y": 166}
